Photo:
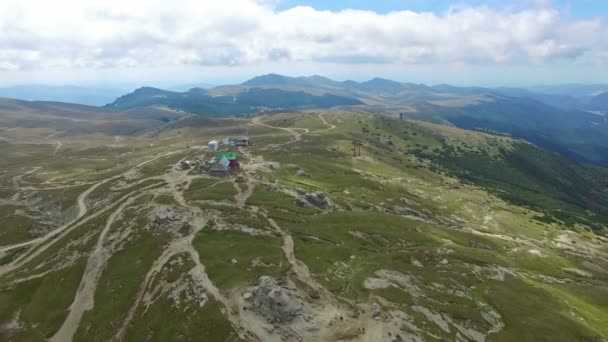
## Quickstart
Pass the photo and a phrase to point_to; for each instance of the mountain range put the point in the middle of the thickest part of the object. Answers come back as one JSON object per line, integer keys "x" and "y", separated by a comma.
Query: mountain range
{"x": 113, "y": 217}
{"x": 568, "y": 119}
{"x": 572, "y": 125}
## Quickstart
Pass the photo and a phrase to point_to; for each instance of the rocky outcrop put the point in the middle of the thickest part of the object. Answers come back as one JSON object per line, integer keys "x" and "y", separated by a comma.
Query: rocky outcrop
{"x": 315, "y": 199}
{"x": 301, "y": 202}
{"x": 302, "y": 173}
{"x": 168, "y": 220}
{"x": 318, "y": 199}
{"x": 277, "y": 304}
{"x": 184, "y": 165}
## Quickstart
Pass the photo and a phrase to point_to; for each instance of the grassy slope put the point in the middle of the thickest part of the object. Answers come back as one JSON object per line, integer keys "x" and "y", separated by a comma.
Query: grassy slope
{"x": 343, "y": 248}
{"x": 342, "y": 260}
{"x": 566, "y": 191}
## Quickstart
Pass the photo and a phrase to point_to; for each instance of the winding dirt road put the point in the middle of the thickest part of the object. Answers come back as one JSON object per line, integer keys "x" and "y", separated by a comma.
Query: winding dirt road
{"x": 293, "y": 131}
{"x": 41, "y": 244}
{"x": 175, "y": 183}
{"x": 325, "y": 122}
{"x": 85, "y": 296}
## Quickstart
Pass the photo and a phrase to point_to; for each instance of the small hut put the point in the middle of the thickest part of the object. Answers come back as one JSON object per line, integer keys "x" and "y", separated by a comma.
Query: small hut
{"x": 241, "y": 141}
{"x": 213, "y": 145}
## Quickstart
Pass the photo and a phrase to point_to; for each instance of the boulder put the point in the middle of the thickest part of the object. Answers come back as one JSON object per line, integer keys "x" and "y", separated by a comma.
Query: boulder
{"x": 318, "y": 199}
{"x": 301, "y": 202}
{"x": 183, "y": 165}
{"x": 277, "y": 304}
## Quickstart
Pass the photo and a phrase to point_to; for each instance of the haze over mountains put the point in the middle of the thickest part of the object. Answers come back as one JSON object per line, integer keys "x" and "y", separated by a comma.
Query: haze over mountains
{"x": 569, "y": 96}
{"x": 92, "y": 96}
{"x": 566, "y": 119}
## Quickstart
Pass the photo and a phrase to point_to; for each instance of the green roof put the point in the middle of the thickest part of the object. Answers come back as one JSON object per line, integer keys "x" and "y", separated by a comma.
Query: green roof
{"x": 228, "y": 155}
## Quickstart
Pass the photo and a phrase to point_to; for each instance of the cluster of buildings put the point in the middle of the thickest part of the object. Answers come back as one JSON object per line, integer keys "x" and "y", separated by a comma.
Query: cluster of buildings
{"x": 226, "y": 161}
{"x": 214, "y": 145}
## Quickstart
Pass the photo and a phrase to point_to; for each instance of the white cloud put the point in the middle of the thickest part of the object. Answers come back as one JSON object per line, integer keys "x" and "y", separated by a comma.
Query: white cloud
{"x": 92, "y": 34}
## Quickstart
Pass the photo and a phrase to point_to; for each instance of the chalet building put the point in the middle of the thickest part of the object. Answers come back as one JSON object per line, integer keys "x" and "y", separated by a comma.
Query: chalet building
{"x": 236, "y": 141}
{"x": 232, "y": 157}
{"x": 221, "y": 168}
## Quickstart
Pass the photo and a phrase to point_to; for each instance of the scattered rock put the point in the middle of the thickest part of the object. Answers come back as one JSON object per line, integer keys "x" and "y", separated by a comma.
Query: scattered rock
{"x": 302, "y": 173}
{"x": 594, "y": 267}
{"x": 578, "y": 272}
{"x": 13, "y": 326}
{"x": 376, "y": 283}
{"x": 434, "y": 317}
{"x": 168, "y": 219}
{"x": 257, "y": 262}
{"x": 234, "y": 261}
{"x": 376, "y": 311}
{"x": 501, "y": 273}
{"x": 300, "y": 202}
{"x": 300, "y": 191}
{"x": 318, "y": 199}
{"x": 240, "y": 179}
{"x": 183, "y": 165}
{"x": 416, "y": 263}
{"x": 404, "y": 281}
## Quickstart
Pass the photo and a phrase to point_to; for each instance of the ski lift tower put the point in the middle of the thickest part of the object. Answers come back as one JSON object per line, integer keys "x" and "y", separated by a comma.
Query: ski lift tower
{"x": 357, "y": 148}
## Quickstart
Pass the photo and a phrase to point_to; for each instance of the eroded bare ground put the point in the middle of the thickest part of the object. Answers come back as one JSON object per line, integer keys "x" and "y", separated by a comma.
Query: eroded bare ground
{"x": 295, "y": 308}
{"x": 312, "y": 321}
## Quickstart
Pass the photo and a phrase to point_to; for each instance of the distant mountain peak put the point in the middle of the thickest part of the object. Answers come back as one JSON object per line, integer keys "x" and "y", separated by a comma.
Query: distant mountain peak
{"x": 382, "y": 83}
{"x": 270, "y": 79}
{"x": 149, "y": 90}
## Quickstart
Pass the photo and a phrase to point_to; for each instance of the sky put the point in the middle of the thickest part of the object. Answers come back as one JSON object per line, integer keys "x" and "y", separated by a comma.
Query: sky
{"x": 164, "y": 43}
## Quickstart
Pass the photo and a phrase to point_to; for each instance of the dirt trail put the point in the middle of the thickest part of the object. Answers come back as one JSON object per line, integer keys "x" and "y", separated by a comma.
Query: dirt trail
{"x": 293, "y": 131}
{"x": 56, "y": 187}
{"x": 18, "y": 180}
{"x": 242, "y": 196}
{"x": 25, "y": 258}
{"x": 299, "y": 268}
{"x": 179, "y": 246}
{"x": 84, "y": 299}
{"x": 178, "y": 181}
{"x": 59, "y": 144}
{"x": 82, "y": 210}
{"x": 49, "y": 239}
{"x": 325, "y": 122}
{"x": 160, "y": 129}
